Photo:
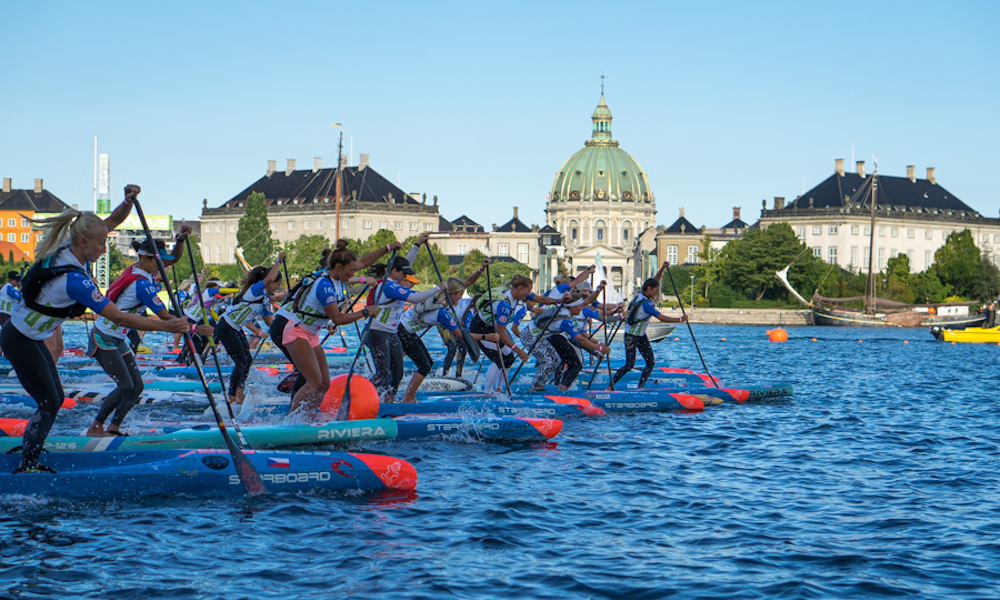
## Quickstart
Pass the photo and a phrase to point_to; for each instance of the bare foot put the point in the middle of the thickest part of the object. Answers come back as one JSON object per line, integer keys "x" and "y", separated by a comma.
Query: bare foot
{"x": 97, "y": 430}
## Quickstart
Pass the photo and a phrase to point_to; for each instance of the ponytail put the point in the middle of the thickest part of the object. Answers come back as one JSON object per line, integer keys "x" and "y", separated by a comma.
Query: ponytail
{"x": 69, "y": 225}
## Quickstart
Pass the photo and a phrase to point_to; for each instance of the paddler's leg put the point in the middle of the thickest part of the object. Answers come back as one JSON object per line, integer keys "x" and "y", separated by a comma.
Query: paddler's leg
{"x": 547, "y": 360}
{"x": 569, "y": 356}
{"x": 110, "y": 357}
{"x": 129, "y": 398}
{"x": 414, "y": 347}
{"x": 460, "y": 354}
{"x": 642, "y": 343}
{"x": 36, "y": 371}
{"x": 629, "y": 359}
{"x": 304, "y": 357}
{"x": 235, "y": 342}
{"x": 396, "y": 371}
{"x": 378, "y": 348}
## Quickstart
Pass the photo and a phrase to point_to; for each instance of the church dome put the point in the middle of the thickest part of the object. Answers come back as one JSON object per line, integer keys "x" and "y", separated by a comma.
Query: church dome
{"x": 601, "y": 170}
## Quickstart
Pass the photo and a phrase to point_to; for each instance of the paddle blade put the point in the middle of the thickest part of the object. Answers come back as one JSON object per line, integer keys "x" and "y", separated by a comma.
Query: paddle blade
{"x": 473, "y": 350}
{"x": 344, "y": 411}
{"x": 248, "y": 474}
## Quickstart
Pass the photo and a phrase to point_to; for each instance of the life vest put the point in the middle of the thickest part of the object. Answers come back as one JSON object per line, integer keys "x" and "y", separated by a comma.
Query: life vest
{"x": 298, "y": 304}
{"x": 633, "y": 310}
{"x": 485, "y": 308}
{"x": 37, "y": 276}
{"x": 127, "y": 278}
{"x": 429, "y": 306}
{"x": 297, "y": 290}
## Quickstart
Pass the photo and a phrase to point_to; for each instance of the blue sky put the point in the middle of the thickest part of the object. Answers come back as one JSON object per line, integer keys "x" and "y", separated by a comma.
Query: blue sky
{"x": 722, "y": 103}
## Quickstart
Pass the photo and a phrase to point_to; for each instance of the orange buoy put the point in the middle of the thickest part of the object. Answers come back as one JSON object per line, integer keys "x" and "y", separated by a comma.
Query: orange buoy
{"x": 859, "y": 341}
{"x": 364, "y": 397}
{"x": 677, "y": 339}
{"x": 814, "y": 339}
{"x": 723, "y": 339}
{"x": 906, "y": 341}
{"x": 777, "y": 335}
{"x": 953, "y": 343}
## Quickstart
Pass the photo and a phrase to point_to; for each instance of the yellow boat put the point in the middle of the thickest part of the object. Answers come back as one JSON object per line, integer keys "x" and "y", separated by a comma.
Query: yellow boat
{"x": 969, "y": 335}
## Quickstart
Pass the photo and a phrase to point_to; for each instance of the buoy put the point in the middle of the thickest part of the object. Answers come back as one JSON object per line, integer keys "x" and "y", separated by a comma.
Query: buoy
{"x": 364, "y": 397}
{"x": 723, "y": 339}
{"x": 953, "y": 343}
{"x": 859, "y": 341}
{"x": 906, "y": 341}
{"x": 777, "y": 335}
{"x": 676, "y": 339}
{"x": 814, "y": 339}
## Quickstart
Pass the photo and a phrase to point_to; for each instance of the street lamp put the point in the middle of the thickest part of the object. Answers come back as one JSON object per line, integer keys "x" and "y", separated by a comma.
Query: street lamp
{"x": 692, "y": 290}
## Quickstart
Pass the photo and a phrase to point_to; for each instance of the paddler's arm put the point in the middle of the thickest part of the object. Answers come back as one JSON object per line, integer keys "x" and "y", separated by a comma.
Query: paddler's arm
{"x": 583, "y": 276}
{"x": 545, "y": 299}
{"x": 272, "y": 275}
{"x": 372, "y": 257}
{"x": 594, "y": 294}
{"x": 412, "y": 254}
{"x": 584, "y": 341}
{"x": 178, "y": 251}
{"x": 121, "y": 212}
{"x": 475, "y": 274}
{"x": 659, "y": 274}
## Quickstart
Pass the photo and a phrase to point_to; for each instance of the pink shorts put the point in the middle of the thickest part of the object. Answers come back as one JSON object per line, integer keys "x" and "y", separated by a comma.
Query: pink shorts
{"x": 290, "y": 334}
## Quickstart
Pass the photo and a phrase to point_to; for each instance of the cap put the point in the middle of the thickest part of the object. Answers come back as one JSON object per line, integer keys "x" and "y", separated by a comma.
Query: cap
{"x": 14, "y": 275}
{"x": 401, "y": 264}
{"x": 411, "y": 278}
{"x": 584, "y": 286}
{"x": 147, "y": 249}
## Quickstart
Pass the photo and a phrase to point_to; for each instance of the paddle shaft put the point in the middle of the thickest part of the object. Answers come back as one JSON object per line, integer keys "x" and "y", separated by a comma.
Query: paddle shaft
{"x": 541, "y": 336}
{"x": 690, "y": 330}
{"x": 469, "y": 340}
{"x": 594, "y": 374}
{"x": 345, "y": 402}
{"x": 249, "y": 477}
{"x": 489, "y": 293}
{"x": 604, "y": 301}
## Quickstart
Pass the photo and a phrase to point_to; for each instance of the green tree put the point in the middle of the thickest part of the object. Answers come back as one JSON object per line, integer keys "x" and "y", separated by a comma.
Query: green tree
{"x": 183, "y": 267}
{"x": 957, "y": 261}
{"x": 927, "y": 288}
{"x": 470, "y": 263}
{"x": 985, "y": 281}
{"x": 711, "y": 265}
{"x": 254, "y": 234}
{"x": 899, "y": 280}
{"x": 379, "y": 239}
{"x": 304, "y": 254}
{"x": 750, "y": 263}
{"x": 500, "y": 274}
{"x": 117, "y": 262}
{"x": 422, "y": 263}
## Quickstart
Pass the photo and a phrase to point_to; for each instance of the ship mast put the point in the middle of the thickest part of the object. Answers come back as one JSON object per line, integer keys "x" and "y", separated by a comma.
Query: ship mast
{"x": 870, "y": 307}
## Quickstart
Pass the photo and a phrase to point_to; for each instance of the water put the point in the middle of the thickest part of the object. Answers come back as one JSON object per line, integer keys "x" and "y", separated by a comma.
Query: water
{"x": 878, "y": 479}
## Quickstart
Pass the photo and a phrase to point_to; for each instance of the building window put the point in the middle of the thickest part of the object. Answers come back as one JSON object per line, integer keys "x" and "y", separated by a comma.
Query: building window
{"x": 833, "y": 230}
{"x": 24, "y": 222}
{"x": 230, "y": 252}
{"x": 600, "y": 234}
{"x": 927, "y": 259}
{"x": 462, "y": 249}
{"x": 881, "y": 258}
{"x": 218, "y": 228}
{"x": 345, "y": 223}
{"x": 986, "y": 238}
{"x": 232, "y": 228}
{"x": 572, "y": 234}
{"x": 868, "y": 230}
{"x": 868, "y": 256}
{"x": 307, "y": 225}
{"x": 818, "y": 252}
{"x": 427, "y": 226}
{"x": 25, "y": 238}
{"x": 398, "y": 225}
{"x": 854, "y": 230}
{"x": 800, "y": 232}
{"x": 854, "y": 256}
{"x": 522, "y": 253}
{"x": 928, "y": 234}
{"x": 485, "y": 249}
{"x": 624, "y": 235}
{"x": 672, "y": 251}
{"x": 291, "y": 225}
{"x": 881, "y": 231}
{"x": 383, "y": 224}
{"x": 218, "y": 253}
{"x": 503, "y": 250}
{"x": 817, "y": 230}
{"x": 367, "y": 225}
{"x": 833, "y": 255}
{"x": 692, "y": 255}
{"x": 319, "y": 224}
{"x": 11, "y": 222}
{"x": 909, "y": 256}
{"x": 895, "y": 232}
{"x": 911, "y": 233}
{"x": 413, "y": 226}
{"x": 274, "y": 226}
{"x": 996, "y": 239}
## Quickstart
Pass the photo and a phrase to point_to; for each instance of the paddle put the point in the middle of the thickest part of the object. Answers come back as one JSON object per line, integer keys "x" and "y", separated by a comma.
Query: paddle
{"x": 211, "y": 342}
{"x": 471, "y": 343}
{"x": 594, "y": 374}
{"x": 346, "y": 308}
{"x": 681, "y": 304}
{"x": 345, "y": 401}
{"x": 249, "y": 477}
{"x": 489, "y": 293}
{"x": 604, "y": 301}
{"x": 541, "y": 336}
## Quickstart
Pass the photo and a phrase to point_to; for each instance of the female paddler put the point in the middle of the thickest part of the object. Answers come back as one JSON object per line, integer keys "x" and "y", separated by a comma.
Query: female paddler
{"x": 253, "y": 302}
{"x": 568, "y": 328}
{"x": 641, "y": 309}
{"x": 133, "y": 292}
{"x": 424, "y": 315}
{"x": 384, "y": 338}
{"x": 493, "y": 317}
{"x": 311, "y": 310}
{"x": 56, "y": 288}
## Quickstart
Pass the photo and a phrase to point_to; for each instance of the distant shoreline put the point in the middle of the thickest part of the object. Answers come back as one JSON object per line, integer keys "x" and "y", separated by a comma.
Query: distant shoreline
{"x": 744, "y": 316}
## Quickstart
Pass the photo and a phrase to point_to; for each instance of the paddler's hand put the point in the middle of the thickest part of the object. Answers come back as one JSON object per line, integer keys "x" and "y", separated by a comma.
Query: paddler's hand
{"x": 203, "y": 329}
{"x": 177, "y": 326}
{"x": 331, "y": 327}
{"x": 565, "y": 296}
{"x": 491, "y": 337}
{"x": 521, "y": 354}
{"x": 281, "y": 256}
{"x": 369, "y": 281}
{"x": 423, "y": 239}
{"x": 591, "y": 269}
{"x": 182, "y": 235}
{"x": 370, "y": 311}
{"x": 131, "y": 191}
{"x": 605, "y": 350}
{"x": 395, "y": 246}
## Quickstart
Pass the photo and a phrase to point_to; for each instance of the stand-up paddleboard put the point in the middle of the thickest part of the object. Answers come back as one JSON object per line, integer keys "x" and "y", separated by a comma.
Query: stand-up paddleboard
{"x": 97, "y": 396}
{"x": 495, "y": 407}
{"x": 145, "y": 473}
{"x": 443, "y": 384}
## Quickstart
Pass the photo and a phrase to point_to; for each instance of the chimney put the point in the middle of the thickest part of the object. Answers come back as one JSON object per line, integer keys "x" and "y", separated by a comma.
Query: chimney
{"x": 860, "y": 168}
{"x": 840, "y": 166}
{"x": 911, "y": 173}
{"x": 779, "y": 203}
{"x": 38, "y": 186}
{"x": 317, "y": 163}
{"x": 290, "y": 167}
{"x": 343, "y": 161}
{"x": 272, "y": 166}
{"x": 75, "y": 207}
{"x": 363, "y": 162}
{"x": 682, "y": 212}
{"x": 6, "y": 184}
{"x": 515, "y": 212}
{"x": 930, "y": 178}
{"x": 736, "y": 213}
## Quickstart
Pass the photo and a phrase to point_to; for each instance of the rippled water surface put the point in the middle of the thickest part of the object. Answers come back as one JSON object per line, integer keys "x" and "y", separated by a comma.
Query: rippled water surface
{"x": 878, "y": 479}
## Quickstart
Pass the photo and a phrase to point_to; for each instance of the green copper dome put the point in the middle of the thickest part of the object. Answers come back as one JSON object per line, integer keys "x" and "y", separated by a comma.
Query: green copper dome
{"x": 601, "y": 170}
